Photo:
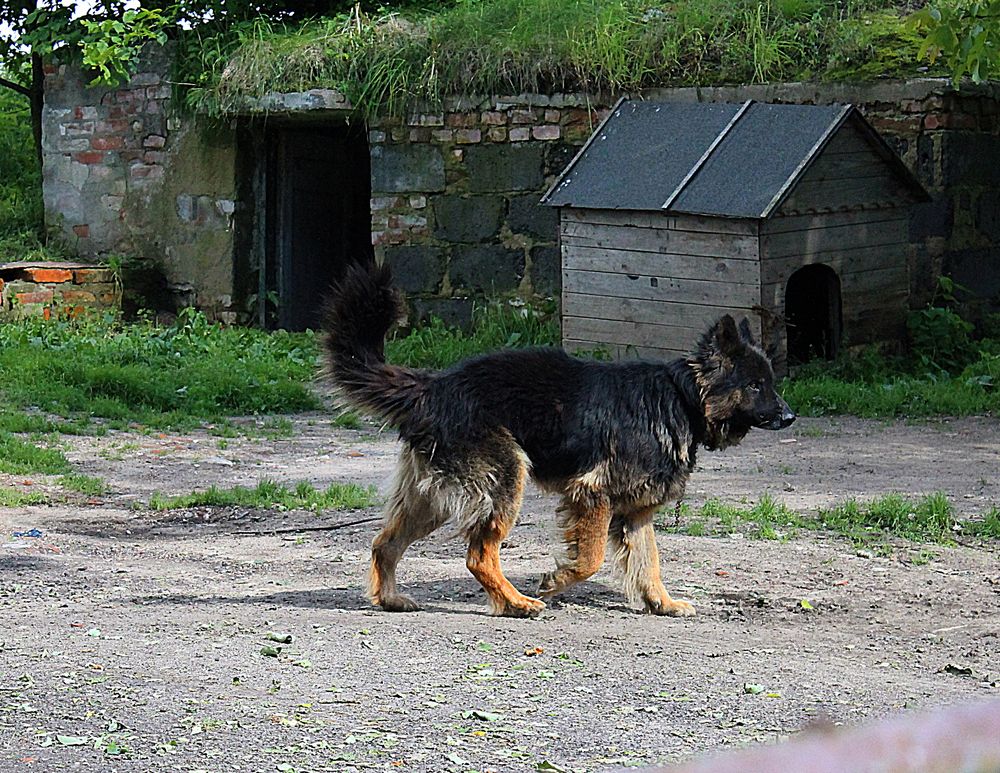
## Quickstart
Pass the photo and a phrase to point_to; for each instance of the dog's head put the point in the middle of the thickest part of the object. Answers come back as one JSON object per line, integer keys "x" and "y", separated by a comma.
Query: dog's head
{"x": 736, "y": 382}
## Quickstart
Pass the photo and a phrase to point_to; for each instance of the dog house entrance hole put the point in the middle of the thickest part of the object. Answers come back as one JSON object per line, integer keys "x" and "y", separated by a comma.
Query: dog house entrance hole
{"x": 812, "y": 313}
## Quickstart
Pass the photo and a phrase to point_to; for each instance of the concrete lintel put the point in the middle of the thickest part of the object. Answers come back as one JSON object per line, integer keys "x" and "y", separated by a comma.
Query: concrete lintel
{"x": 285, "y": 103}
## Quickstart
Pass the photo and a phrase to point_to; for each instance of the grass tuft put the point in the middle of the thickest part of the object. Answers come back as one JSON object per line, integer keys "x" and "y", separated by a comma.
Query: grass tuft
{"x": 988, "y": 527}
{"x": 495, "y": 326}
{"x": 18, "y": 457}
{"x": 929, "y": 519}
{"x": 397, "y": 58}
{"x": 11, "y": 497}
{"x": 175, "y": 377}
{"x": 268, "y": 494}
{"x": 85, "y": 484}
{"x": 769, "y": 518}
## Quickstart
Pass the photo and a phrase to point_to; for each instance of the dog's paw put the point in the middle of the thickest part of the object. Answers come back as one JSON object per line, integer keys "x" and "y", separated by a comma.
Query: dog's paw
{"x": 522, "y": 607}
{"x": 399, "y": 603}
{"x": 547, "y": 585}
{"x": 670, "y": 608}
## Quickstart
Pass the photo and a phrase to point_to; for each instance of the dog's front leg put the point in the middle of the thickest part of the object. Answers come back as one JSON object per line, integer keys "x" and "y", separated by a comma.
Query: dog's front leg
{"x": 640, "y": 563}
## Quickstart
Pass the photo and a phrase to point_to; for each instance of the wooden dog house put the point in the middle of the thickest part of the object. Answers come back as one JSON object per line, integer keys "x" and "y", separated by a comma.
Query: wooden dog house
{"x": 795, "y": 216}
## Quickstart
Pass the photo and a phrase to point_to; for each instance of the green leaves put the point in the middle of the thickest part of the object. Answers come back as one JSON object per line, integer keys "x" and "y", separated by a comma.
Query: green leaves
{"x": 965, "y": 36}
{"x": 111, "y": 46}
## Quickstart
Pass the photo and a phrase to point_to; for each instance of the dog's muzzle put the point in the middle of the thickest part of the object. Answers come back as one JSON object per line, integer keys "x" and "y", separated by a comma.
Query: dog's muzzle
{"x": 781, "y": 419}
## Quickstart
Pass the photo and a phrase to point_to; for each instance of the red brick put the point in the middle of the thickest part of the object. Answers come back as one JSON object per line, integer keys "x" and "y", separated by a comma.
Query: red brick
{"x": 89, "y": 157}
{"x": 155, "y": 141}
{"x": 79, "y": 296}
{"x": 54, "y": 275}
{"x": 106, "y": 143}
{"x": 83, "y": 231}
{"x": 39, "y": 296}
{"x": 92, "y": 275}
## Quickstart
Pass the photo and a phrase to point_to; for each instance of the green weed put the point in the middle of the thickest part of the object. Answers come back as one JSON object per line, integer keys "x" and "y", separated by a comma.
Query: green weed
{"x": 11, "y": 497}
{"x": 396, "y": 58}
{"x": 85, "y": 484}
{"x": 929, "y": 519}
{"x": 770, "y": 519}
{"x": 347, "y": 419}
{"x": 19, "y": 457}
{"x": 175, "y": 377}
{"x": 494, "y": 326}
{"x": 988, "y": 527}
{"x": 268, "y": 494}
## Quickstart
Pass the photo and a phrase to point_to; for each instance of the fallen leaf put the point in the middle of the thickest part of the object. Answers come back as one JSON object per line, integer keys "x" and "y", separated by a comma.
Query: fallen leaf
{"x": 71, "y": 740}
{"x": 752, "y": 689}
{"x": 532, "y": 651}
{"x": 951, "y": 668}
{"x": 804, "y": 603}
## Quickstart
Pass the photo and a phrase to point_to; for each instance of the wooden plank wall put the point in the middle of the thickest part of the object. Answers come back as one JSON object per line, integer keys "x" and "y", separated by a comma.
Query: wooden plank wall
{"x": 848, "y": 174}
{"x": 646, "y": 284}
{"x": 869, "y": 251}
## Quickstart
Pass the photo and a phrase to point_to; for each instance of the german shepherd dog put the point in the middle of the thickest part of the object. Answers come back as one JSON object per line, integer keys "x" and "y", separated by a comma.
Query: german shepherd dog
{"x": 616, "y": 440}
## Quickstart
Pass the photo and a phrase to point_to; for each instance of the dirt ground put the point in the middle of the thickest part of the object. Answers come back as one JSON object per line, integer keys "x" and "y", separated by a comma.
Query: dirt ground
{"x": 134, "y": 640}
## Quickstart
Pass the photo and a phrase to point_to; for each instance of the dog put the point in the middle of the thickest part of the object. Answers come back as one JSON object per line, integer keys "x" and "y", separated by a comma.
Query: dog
{"x": 616, "y": 439}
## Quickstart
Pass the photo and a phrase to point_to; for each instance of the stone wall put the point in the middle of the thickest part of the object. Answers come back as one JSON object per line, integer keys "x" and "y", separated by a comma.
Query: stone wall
{"x": 455, "y": 198}
{"x": 455, "y": 193}
{"x": 123, "y": 175}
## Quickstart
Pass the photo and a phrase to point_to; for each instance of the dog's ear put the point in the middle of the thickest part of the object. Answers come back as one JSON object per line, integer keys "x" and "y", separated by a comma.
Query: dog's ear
{"x": 727, "y": 336}
{"x": 746, "y": 333}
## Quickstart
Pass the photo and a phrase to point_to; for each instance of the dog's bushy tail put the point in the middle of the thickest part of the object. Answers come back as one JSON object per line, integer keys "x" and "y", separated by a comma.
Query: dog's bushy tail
{"x": 360, "y": 310}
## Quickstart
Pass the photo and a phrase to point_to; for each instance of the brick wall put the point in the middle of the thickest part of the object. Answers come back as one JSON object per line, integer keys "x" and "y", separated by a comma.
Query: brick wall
{"x": 55, "y": 289}
{"x": 124, "y": 175}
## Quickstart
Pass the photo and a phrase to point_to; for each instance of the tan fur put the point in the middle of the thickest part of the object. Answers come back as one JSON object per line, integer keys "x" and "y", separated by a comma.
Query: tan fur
{"x": 585, "y": 531}
{"x": 639, "y": 561}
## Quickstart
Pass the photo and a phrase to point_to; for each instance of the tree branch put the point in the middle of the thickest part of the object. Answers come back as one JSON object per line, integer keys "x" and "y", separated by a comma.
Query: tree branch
{"x": 24, "y": 90}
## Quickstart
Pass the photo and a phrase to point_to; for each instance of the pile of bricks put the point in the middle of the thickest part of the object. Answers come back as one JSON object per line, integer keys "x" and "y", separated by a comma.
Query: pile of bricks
{"x": 55, "y": 289}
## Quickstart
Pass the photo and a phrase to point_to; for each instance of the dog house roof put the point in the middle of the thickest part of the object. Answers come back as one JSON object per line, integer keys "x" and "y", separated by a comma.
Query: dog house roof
{"x": 726, "y": 160}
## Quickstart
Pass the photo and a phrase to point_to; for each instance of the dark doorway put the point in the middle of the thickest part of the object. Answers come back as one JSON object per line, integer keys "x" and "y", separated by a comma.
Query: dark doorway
{"x": 319, "y": 205}
{"x": 812, "y": 314}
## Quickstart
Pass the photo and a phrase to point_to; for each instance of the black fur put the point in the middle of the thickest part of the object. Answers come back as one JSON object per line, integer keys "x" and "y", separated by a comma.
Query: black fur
{"x": 616, "y": 439}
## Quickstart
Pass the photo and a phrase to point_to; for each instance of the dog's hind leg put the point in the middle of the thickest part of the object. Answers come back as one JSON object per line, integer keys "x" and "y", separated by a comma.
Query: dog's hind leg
{"x": 409, "y": 515}
{"x": 486, "y": 534}
{"x": 640, "y": 563}
{"x": 585, "y": 523}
